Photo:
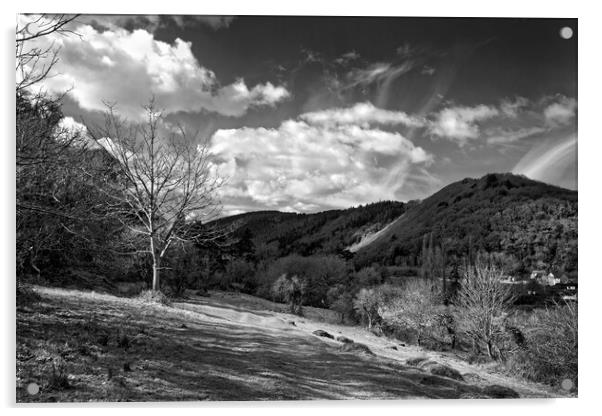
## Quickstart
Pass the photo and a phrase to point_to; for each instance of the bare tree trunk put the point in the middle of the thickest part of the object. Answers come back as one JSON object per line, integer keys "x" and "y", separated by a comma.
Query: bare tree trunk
{"x": 490, "y": 350}
{"x": 155, "y": 274}
{"x": 156, "y": 261}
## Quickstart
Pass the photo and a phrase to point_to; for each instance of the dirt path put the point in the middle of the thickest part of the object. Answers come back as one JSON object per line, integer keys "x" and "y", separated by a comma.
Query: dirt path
{"x": 224, "y": 347}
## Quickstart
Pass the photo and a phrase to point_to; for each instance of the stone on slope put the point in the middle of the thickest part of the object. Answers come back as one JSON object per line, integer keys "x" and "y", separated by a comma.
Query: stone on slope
{"x": 322, "y": 333}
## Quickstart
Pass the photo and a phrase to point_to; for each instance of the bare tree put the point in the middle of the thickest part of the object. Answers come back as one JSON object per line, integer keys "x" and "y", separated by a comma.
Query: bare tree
{"x": 166, "y": 182}
{"x": 34, "y": 62}
{"x": 366, "y": 303}
{"x": 483, "y": 303}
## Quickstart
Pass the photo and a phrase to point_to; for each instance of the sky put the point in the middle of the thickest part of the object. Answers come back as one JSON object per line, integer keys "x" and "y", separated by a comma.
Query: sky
{"x": 306, "y": 114}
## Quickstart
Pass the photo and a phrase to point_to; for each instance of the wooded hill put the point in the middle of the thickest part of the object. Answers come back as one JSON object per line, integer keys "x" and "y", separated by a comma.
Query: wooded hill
{"x": 531, "y": 224}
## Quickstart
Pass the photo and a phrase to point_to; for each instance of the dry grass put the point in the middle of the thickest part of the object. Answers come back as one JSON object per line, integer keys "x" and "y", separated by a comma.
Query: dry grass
{"x": 73, "y": 345}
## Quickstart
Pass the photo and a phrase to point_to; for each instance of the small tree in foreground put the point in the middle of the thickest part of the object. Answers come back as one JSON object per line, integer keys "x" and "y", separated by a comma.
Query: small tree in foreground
{"x": 366, "y": 304}
{"x": 483, "y": 303}
{"x": 415, "y": 306}
{"x": 166, "y": 182}
{"x": 291, "y": 290}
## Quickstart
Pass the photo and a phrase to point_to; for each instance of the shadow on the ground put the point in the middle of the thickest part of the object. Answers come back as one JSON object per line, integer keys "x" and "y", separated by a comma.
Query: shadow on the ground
{"x": 179, "y": 355}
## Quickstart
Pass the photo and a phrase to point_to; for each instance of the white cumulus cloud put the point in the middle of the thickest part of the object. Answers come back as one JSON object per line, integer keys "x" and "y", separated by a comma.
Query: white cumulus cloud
{"x": 128, "y": 67}
{"x": 305, "y": 163}
{"x": 461, "y": 123}
{"x": 561, "y": 112}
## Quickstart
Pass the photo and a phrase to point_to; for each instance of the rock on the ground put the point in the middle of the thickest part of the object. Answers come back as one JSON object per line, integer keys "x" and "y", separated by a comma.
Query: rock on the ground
{"x": 435, "y": 368}
{"x": 415, "y": 361}
{"x": 444, "y": 371}
{"x": 322, "y": 333}
{"x": 343, "y": 339}
{"x": 356, "y": 347}
{"x": 500, "y": 392}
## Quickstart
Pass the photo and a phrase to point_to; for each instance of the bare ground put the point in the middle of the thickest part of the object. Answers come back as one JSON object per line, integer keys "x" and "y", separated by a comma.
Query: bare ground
{"x": 84, "y": 346}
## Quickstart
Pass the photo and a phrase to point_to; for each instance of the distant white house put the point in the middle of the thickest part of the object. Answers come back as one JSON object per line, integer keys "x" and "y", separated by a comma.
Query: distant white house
{"x": 545, "y": 279}
{"x": 551, "y": 280}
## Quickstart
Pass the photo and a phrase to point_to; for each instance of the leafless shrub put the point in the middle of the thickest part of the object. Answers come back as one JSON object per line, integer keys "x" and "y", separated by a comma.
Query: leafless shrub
{"x": 416, "y": 306}
{"x": 366, "y": 303}
{"x": 482, "y": 305}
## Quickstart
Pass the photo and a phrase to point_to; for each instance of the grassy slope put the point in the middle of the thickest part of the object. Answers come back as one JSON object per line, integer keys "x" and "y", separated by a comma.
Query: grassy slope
{"x": 226, "y": 347}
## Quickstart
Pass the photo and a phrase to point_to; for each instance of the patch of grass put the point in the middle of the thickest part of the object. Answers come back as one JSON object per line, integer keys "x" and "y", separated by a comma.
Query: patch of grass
{"x": 59, "y": 379}
{"x": 123, "y": 341}
{"x": 26, "y": 295}
{"x": 154, "y": 296}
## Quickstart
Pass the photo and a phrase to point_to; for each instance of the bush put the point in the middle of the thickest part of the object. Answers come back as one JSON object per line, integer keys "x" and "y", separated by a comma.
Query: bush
{"x": 291, "y": 290}
{"x": 551, "y": 343}
{"x": 367, "y": 276}
{"x": 340, "y": 300}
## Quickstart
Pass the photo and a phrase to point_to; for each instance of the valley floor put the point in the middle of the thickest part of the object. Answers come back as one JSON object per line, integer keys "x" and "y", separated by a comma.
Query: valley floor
{"x": 223, "y": 347}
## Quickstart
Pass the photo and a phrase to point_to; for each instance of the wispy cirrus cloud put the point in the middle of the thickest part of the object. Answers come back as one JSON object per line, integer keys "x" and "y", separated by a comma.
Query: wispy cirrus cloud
{"x": 362, "y": 114}
{"x": 508, "y": 136}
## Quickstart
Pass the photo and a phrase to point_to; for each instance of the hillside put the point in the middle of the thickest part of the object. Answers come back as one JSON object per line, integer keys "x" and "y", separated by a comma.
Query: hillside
{"x": 224, "y": 347}
{"x": 532, "y": 223}
{"x": 328, "y": 232}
